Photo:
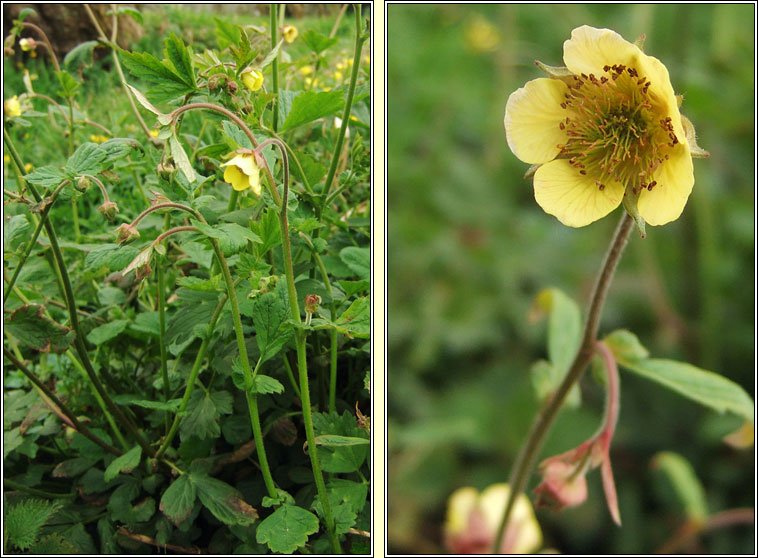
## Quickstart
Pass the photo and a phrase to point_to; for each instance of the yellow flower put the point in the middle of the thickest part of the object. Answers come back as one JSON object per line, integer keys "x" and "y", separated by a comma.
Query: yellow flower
{"x": 367, "y": 59}
{"x": 340, "y": 66}
{"x": 154, "y": 133}
{"x": 253, "y": 79}
{"x": 28, "y": 167}
{"x": 473, "y": 520}
{"x": 289, "y": 32}
{"x": 306, "y": 70}
{"x": 6, "y": 158}
{"x": 12, "y": 107}
{"x": 602, "y": 130}
{"x": 26, "y": 45}
{"x": 97, "y": 138}
{"x": 242, "y": 172}
{"x": 337, "y": 76}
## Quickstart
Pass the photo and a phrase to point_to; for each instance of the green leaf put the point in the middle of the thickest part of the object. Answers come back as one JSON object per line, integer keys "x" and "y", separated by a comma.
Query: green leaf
{"x": 270, "y": 315}
{"x": 235, "y": 133}
{"x": 204, "y": 411}
{"x": 310, "y": 105}
{"x": 317, "y": 42}
{"x": 180, "y": 156}
{"x": 181, "y": 59}
{"x": 110, "y": 256}
{"x": 106, "y": 332}
{"x": 287, "y": 529}
{"x": 147, "y": 322}
{"x": 702, "y": 386}
{"x": 16, "y": 230}
{"x": 120, "y": 506}
{"x": 266, "y": 384}
{"x": 30, "y": 326}
{"x": 134, "y": 14}
{"x": 223, "y": 501}
{"x": 170, "y": 405}
{"x": 23, "y": 14}
{"x": 358, "y": 260}
{"x": 333, "y": 440}
{"x": 119, "y": 148}
{"x": 227, "y": 34}
{"x": 110, "y": 296}
{"x": 354, "y": 287}
{"x": 356, "y": 321}
{"x": 267, "y": 229}
{"x": 123, "y": 464}
{"x": 546, "y": 379}
{"x": 80, "y": 54}
{"x": 271, "y": 55}
{"x": 344, "y": 458}
{"x": 146, "y": 66}
{"x": 178, "y": 500}
{"x": 73, "y": 467}
{"x": 86, "y": 159}
{"x": 231, "y": 237}
{"x": 46, "y": 176}
{"x": 313, "y": 170}
{"x": 564, "y": 329}
{"x": 688, "y": 488}
{"x": 68, "y": 84}
{"x": 23, "y": 521}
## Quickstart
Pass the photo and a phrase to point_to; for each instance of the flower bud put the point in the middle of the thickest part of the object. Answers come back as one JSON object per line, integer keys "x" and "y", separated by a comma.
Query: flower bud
{"x": 563, "y": 486}
{"x": 165, "y": 170}
{"x": 231, "y": 86}
{"x": 311, "y": 303}
{"x": 26, "y": 44}
{"x": 126, "y": 233}
{"x": 82, "y": 184}
{"x": 109, "y": 210}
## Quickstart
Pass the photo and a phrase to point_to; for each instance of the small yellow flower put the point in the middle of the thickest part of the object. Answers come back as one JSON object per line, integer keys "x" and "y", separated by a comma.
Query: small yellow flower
{"x": 33, "y": 54}
{"x": 26, "y": 45}
{"x": 340, "y": 66}
{"x": 337, "y": 76}
{"x": 367, "y": 59}
{"x": 289, "y": 32}
{"x": 473, "y": 520}
{"x": 6, "y": 158}
{"x": 12, "y": 107}
{"x": 253, "y": 79}
{"x": 306, "y": 70}
{"x": 94, "y": 138}
{"x": 154, "y": 133}
{"x": 604, "y": 129}
{"x": 349, "y": 62}
{"x": 480, "y": 35}
{"x": 242, "y": 172}
{"x": 308, "y": 81}
{"x": 28, "y": 167}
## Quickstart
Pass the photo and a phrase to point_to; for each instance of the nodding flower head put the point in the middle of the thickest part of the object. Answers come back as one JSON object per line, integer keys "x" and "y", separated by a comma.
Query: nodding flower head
{"x": 242, "y": 172}
{"x": 604, "y": 129}
{"x": 252, "y": 78}
{"x": 12, "y": 107}
{"x": 289, "y": 32}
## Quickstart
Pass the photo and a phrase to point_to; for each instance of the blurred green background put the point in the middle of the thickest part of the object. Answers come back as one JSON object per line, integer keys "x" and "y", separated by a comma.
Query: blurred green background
{"x": 469, "y": 248}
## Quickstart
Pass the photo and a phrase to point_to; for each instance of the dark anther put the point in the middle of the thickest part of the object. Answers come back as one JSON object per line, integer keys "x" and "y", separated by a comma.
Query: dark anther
{"x": 561, "y": 125}
{"x": 582, "y": 171}
{"x": 606, "y": 68}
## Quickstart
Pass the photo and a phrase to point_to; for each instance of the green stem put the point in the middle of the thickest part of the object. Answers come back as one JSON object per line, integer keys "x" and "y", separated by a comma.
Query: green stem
{"x": 36, "y": 492}
{"x": 527, "y": 457}
{"x": 291, "y": 375}
{"x": 274, "y": 67}
{"x": 252, "y": 403}
{"x": 359, "y": 39}
{"x": 83, "y": 430}
{"x": 192, "y": 378}
{"x": 302, "y": 364}
{"x": 161, "y": 296}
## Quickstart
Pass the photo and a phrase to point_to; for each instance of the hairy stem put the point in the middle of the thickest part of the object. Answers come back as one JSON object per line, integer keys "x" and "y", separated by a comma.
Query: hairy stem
{"x": 527, "y": 457}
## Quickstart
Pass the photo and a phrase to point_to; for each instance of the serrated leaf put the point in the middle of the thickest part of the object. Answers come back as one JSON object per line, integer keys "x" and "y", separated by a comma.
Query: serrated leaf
{"x": 702, "y": 386}
{"x": 266, "y": 384}
{"x": 106, "y": 332}
{"x": 135, "y": 14}
{"x": 178, "y": 500}
{"x": 118, "y": 148}
{"x": 687, "y": 486}
{"x": 110, "y": 256}
{"x": 223, "y": 501}
{"x": 30, "y": 326}
{"x": 46, "y": 176}
{"x": 204, "y": 410}
{"x": 180, "y": 156}
{"x": 354, "y": 287}
{"x": 287, "y": 529}
{"x": 270, "y": 315}
{"x": 180, "y": 57}
{"x": 231, "y": 237}
{"x": 86, "y": 159}
{"x": 68, "y": 84}
{"x": 311, "y": 105}
{"x": 317, "y": 42}
{"x": 146, "y": 66}
{"x": 235, "y": 133}
{"x": 73, "y": 467}
{"x": 123, "y": 464}
{"x": 358, "y": 260}
{"x": 356, "y": 321}
{"x": 342, "y": 459}
{"x": 227, "y": 34}
{"x": 15, "y": 230}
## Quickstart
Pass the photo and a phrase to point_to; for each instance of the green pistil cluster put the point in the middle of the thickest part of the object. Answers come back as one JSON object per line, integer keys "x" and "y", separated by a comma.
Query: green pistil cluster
{"x": 611, "y": 129}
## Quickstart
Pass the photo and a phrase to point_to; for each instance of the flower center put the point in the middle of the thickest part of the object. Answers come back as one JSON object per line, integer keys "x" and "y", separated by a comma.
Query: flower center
{"x": 614, "y": 128}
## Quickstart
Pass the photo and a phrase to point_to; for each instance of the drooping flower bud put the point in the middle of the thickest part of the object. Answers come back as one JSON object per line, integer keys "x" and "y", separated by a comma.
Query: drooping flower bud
{"x": 252, "y": 78}
{"x": 82, "y": 184}
{"x": 12, "y": 107}
{"x": 311, "y": 303}
{"x": 109, "y": 210}
{"x": 126, "y": 233}
{"x": 26, "y": 44}
{"x": 289, "y": 32}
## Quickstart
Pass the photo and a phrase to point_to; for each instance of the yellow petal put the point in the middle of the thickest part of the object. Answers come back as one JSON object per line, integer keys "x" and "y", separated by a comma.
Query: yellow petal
{"x": 573, "y": 198}
{"x": 532, "y": 117}
{"x": 236, "y": 178}
{"x": 675, "y": 178}
{"x": 459, "y": 507}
